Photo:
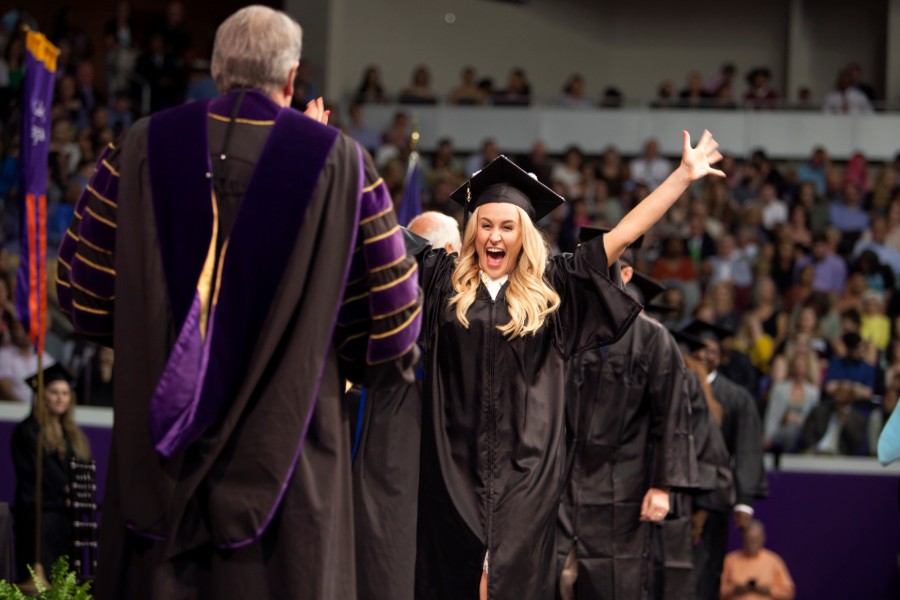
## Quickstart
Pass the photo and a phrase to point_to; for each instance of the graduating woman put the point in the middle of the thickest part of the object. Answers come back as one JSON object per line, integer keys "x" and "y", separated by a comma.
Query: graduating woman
{"x": 501, "y": 321}
{"x": 62, "y": 441}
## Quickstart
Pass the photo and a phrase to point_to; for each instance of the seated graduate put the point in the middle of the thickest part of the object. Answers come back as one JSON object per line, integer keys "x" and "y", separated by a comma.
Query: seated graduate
{"x": 501, "y": 321}
{"x": 62, "y": 440}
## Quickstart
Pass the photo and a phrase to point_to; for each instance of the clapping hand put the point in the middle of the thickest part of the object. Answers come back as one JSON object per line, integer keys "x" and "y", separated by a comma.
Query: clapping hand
{"x": 316, "y": 110}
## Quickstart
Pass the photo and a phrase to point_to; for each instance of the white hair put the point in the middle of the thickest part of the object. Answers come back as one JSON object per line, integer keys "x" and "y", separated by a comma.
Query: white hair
{"x": 437, "y": 228}
{"x": 256, "y": 47}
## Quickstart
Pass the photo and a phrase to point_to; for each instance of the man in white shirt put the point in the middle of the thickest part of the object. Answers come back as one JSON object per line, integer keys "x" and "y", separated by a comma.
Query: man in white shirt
{"x": 650, "y": 169}
{"x": 18, "y": 362}
{"x": 846, "y": 99}
{"x": 774, "y": 210}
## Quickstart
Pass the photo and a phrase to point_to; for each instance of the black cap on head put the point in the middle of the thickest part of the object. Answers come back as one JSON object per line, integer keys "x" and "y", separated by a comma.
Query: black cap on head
{"x": 51, "y": 374}
{"x": 851, "y": 340}
{"x": 502, "y": 180}
{"x": 708, "y": 331}
{"x": 692, "y": 343}
{"x": 648, "y": 287}
{"x": 588, "y": 233}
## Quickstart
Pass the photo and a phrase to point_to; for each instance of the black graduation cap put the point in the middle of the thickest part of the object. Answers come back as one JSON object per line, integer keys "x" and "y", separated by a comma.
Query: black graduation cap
{"x": 708, "y": 331}
{"x": 502, "y": 180}
{"x": 586, "y": 234}
{"x": 52, "y": 373}
{"x": 692, "y": 342}
{"x": 647, "y": 286}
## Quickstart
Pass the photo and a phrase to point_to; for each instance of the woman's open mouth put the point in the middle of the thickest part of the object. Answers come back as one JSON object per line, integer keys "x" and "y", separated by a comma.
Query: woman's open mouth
{"x": 494, "y": 256}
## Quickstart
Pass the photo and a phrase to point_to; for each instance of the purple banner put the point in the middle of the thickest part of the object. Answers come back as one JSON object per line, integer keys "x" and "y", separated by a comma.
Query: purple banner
{"x": 31, "y": 284}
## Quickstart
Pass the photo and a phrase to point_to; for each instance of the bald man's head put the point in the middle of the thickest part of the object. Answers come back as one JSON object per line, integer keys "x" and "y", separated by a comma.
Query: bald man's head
{"x": 439, "y": 229}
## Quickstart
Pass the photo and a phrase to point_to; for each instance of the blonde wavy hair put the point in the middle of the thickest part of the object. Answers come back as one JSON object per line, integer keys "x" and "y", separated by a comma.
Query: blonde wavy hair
{"x": 56, "y": 437}
{"x": 528, "y": 297}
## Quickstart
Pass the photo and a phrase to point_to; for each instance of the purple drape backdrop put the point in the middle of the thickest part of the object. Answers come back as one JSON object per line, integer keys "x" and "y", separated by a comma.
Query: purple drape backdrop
{"x": 838, "y": 534}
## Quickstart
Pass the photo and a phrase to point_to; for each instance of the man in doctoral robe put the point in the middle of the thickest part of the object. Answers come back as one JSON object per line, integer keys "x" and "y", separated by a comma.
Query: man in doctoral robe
{"x": 629, "y": 443}
{"x": 742, "y": 431}
{"x": 241, "y": 258}
{"x": 386, "y": 430}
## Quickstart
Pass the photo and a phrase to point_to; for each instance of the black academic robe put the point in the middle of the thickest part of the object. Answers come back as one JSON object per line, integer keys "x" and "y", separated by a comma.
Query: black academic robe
{"x": 673, "y": 548}
{"x": 628, "y": 424}
{"x": 493, "y": 423}
{"x": 56, "y": 521}
{"x": 385, "y": 425}
{"x": 163, "y": 521}
{"x": 742, "y": 432}
{"x": 741, "y": 371}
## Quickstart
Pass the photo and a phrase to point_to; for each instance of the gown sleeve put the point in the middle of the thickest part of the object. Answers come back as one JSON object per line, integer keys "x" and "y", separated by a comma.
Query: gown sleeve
{"x": 749, "y": 473}
{"x": 593, "y": 310}
{"x": 674, "y": 461}
{"x": 437, "y": 269}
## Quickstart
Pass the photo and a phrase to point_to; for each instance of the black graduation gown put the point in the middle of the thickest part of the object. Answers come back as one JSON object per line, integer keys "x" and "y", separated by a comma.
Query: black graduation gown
{"x": 492, "y": 461}
{"x": 629, "y": 413}
{"x": 385, "y": 428}
{"x": 742, "y": 432}
{"x": 673, "y": 550}
{"x": 56, "y": 522}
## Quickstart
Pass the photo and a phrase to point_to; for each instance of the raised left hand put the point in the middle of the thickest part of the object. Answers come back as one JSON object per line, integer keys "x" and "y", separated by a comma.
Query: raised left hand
{"x": 655, "y": 506}
{"x": 697, "y": 162}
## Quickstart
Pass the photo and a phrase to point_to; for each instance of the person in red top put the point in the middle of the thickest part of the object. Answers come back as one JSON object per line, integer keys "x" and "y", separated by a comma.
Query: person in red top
{"x": 754, "y": 572}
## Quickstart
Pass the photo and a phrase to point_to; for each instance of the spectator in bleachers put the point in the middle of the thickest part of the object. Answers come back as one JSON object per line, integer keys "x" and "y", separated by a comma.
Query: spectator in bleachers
{"x": 537, "y": 162}
{"x": 159, "y": 70}
{"x": 885, "y": 189}
{"x": 855, "y": 74}
{"x": 121, "y": 113}
{"x": 815, "y": 206}
{"x": 790, "y": 403}
{"x": 766, "y": 308}
{"x": 731, "y": 264}
{"x": 760, "y": 95}
{"x": 489, "y": 151}
{"x": 893, "y": 223}
{"x": 72, "y": 103}
{"x": 419, "y": 90}
{"x": 200, "y": 84}
{"x": 857, "y": 172}
{"x": 830, "y": 271}
{"x": 650, "y": 168}
{"x": 568, "y": 172}
{"x": 12, "y": 65}
{"x": 397, "y": 133}
{"x": 774, "y": 209}
{"x": 573, "y": 95}
{"x": 605, "y": 208}
{"x": 875, "y": 327}
{"x": 18, "y": 361}
{"x": 845, "y": 98}
{"x": 724, "y": 98}
{"x": 805, "y": 100}
{"x": 611, "y": 98}
{"x": 445, "y": 163}
{"x": 370, "y": 89}
{"x": 357, "y": 129}
{"x": 848, "y": 215}
{"x": 95, "y": 382}
{"x": 673, "y": 264}
{"x": 612, "y": 170}
{"x": 725, "y": 77}
{"x": 517, "y": 92}
{"x": 64, "y": 152}
{"x": 721, "y": 299}
{"x": 815, "y": 169}
{"x": 782, "y": 265}
{"x": 467, "y": 93}
{"x": 693, "y": 94}
{"x": 875, "y": 240}
{"x": 880, "y": 415}
{"x": 699, "y": 245}
{"x": 798, "y": 228}
{"x": 119, "y": 39}
{"x": 665, "y": 96}
{"x": 753, "y": 572}
{"x": 175, "y": 34}
{"x": 84, "y": 80}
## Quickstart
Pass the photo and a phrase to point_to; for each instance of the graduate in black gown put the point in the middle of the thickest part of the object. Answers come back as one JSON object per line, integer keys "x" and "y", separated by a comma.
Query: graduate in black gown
{"x": 629, "y": 443}
{"x": 385, "y": 429}
{"x": 674, "y": 540}
{"x": 742, "y": 432}
{"x": 62, "y": 440}
{"x": 501, "y": 323}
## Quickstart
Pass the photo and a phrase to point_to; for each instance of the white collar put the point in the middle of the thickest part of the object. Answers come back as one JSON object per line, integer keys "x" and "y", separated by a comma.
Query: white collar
{"x": 493, "y": 285}
{"x": 712, "y": 377}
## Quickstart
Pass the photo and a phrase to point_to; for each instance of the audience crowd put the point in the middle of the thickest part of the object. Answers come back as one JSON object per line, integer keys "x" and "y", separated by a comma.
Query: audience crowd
{"x": 798, "y": 261}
